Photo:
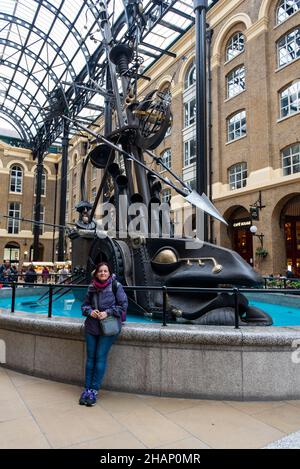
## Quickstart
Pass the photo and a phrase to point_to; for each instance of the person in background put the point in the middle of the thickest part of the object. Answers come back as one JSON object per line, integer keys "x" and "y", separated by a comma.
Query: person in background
{"x": 14, "y": 273}
{"x": 31, "y": 275}
{"x": 5, "y": 271}
{"x": 45, "y": 274}
{"x": 105, "y": 297}
{"x": 63, "y": 274}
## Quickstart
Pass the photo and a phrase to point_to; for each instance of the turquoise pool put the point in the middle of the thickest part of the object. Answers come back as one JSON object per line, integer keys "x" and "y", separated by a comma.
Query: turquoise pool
{"x": 66, "y": 307}
{"x": 70, "y": 308}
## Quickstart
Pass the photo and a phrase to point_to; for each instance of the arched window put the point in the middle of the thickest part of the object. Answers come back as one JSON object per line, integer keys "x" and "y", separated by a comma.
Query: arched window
{"x": 237, "y": 176}
{"x": 12, "y": 252}
{"x": 44, "y": 177}
{"x": 190, "y": 76}
{"x": 235, "y": 46}
{"x": 166, "y": 157}
{"x": 288, "y": 47}
{"x": 16, "y": 179}
{"x": 290, "y": 99}
{"x": 291, "y": 159}
{"x": 235, "y": 81}
{"x": 236, "y": 126}
{"x": 285, "y": 9}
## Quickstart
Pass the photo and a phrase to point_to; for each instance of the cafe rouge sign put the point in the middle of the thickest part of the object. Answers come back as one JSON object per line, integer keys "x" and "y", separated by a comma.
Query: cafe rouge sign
{"x": 242, "y": 223}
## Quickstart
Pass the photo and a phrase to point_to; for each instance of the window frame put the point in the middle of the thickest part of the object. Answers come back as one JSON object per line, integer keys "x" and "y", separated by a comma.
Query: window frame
{"x": 231, "y": 40}
{"x": 290, "y": 156}
{"x": 242, "y": 180}
{"x": 167, "y": 152}
{"x": 187, "y": 161}
{"x": 13, "y": 223}
{"x": 232, "y": 72}
{"x": 228, "y": 123}
{"x": 286, "y": 17}
{"x": 190, "y": 76}
{"x": 16, "y": 177}
{"x": 289, "y": 104}
{"x": 163, "y": 192}
{"x": 189, "y": 112}
{"x": 285, "y": 47}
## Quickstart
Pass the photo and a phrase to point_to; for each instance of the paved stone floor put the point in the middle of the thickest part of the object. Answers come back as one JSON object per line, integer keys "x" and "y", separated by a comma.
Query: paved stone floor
{"x": 36, "y": 413}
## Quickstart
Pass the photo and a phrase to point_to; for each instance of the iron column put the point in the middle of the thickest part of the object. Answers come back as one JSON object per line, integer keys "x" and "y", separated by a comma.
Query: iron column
{"x": 37, "y": 206}
{"x": 63, "y": 191}
{"x": 200, "y": 7}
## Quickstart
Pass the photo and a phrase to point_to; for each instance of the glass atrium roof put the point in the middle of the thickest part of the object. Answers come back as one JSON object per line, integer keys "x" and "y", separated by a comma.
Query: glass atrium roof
{"x": 47, "y": 46}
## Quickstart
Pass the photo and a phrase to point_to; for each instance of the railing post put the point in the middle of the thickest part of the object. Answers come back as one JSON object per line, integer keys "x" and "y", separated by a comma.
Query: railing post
{"x": 50, "y": 301}
{"x": 13, "y": 297}
{"x": 165, "y": 302}
{"x": 236, "y": 309}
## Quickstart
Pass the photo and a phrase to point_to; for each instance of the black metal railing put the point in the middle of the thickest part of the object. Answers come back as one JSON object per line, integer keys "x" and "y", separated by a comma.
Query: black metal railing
{"x": 290, "y": 283}
{"x": 19, "y": 277}
{"x": 164, "y": 289}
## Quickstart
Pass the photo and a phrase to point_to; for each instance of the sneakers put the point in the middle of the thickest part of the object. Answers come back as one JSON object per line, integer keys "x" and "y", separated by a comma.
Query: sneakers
{"x": 91, "y": 398}
{"x": 83, "y": 397}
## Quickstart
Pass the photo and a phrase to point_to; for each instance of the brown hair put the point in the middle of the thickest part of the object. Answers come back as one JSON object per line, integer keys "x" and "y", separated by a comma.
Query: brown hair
{"x": 99, "y": 266}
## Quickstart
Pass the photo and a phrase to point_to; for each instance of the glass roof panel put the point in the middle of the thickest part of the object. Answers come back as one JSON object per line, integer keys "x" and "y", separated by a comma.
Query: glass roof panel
{"x": 46, "y": 44}
{"x": 7, "y": 128}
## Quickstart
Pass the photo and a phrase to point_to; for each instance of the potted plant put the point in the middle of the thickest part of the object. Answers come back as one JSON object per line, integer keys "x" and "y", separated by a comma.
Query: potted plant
{"x": 262, "y": 252}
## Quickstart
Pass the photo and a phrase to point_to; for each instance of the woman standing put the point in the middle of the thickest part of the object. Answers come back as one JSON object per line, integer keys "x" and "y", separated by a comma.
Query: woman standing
{"x": 105, "y": 297}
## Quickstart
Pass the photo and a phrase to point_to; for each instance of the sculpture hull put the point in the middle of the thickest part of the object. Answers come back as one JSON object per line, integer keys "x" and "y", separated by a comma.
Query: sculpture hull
{"x": 179, "y": 263}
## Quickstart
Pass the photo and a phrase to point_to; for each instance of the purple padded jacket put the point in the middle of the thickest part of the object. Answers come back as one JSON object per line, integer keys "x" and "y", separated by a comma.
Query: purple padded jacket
{"x": 104, "y": 300}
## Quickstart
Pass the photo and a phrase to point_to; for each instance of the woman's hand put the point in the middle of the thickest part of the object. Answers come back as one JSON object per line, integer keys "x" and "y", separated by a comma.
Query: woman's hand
{"x": 95, "y": 314}
{"x": 102, "y": 315}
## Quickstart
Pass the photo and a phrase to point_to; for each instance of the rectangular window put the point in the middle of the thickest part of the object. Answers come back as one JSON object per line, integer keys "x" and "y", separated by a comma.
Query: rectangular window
{"x": 288, "y": 48}
{"x": 236, "y": 126}
{"x": 291, "y": 160}
{"x": 235, "y": 82}
{"x": 238, "y": 176}
{"x": 189, "y": 152}
{"x": 166, "y": 157}
{"x": 189, "y": 112}
{"x": 16, "y": 178}
{"x": 14, "y": 211}
{"x": 166, "y": 195}
{"x": 290, "y": 100}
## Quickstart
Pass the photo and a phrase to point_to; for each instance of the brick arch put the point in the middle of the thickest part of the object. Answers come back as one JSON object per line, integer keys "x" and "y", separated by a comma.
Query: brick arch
{"x": 264, "y": 8}
{"x": 226, "y": 231}
{"x": 17, "y": 163}
{"x": 238, "y": 18}
{"x": 279, "y": 248}
{"x": 184, "y": 69}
